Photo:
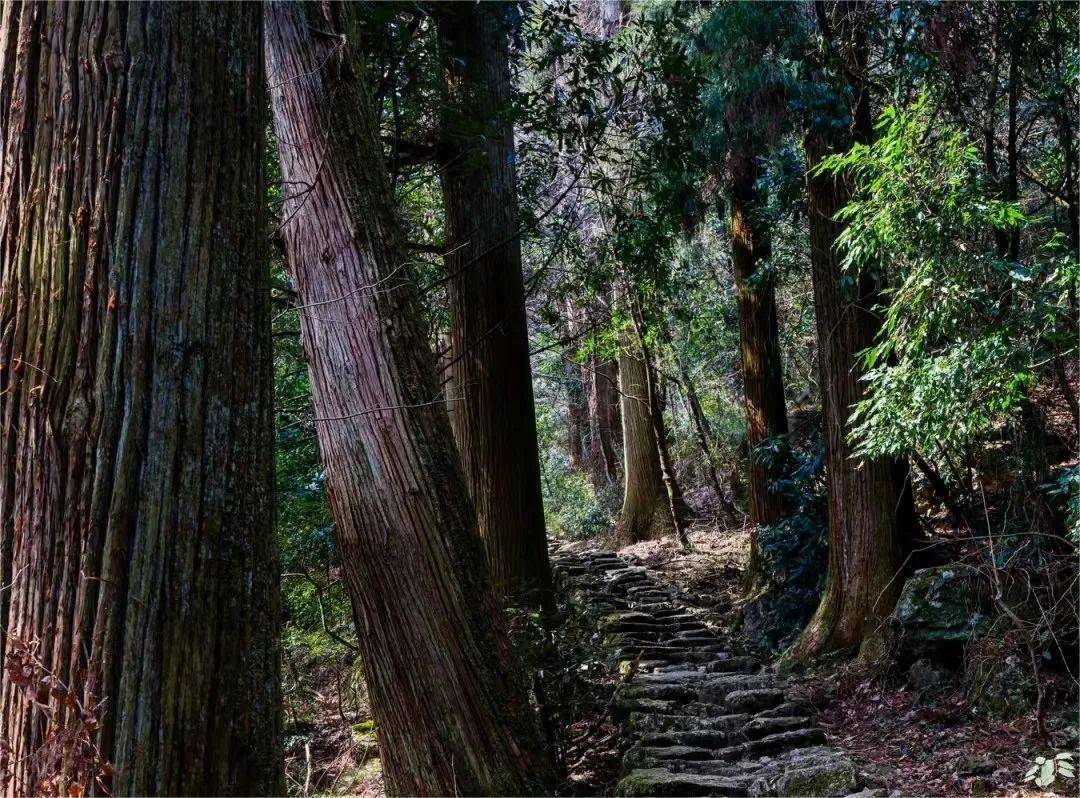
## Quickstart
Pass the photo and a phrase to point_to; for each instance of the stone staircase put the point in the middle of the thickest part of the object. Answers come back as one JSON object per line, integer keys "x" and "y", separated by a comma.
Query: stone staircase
{"x": 695, "y": 718}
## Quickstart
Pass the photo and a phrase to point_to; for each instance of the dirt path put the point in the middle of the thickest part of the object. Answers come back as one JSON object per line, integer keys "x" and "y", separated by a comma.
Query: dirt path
{"x": 693, "y": 717}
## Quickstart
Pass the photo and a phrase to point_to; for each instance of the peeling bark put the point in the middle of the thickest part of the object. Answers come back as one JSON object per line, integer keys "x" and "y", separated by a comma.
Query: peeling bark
{"x": 453, "y": 718}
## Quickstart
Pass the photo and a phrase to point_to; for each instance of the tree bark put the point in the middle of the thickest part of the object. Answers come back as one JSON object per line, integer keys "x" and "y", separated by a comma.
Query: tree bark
{"x": 494, "y": 420}
{"x": 675, "y": 501}
{"x": 577, "y": 416}
{"x": 644, "y": 513}
{"x": 600, "y": 397}
{"x": 604, "y": 420}
{"x": 703, "y": 434}
{"x": 137, "y": 549}
{"x": 870, "y": 509}
{"x": 453, "y": 718}
{"x": 759, "y": 350}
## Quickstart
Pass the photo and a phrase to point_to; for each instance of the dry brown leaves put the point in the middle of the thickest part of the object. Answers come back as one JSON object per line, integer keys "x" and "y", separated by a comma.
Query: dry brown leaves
{"x": 928, "y": 750}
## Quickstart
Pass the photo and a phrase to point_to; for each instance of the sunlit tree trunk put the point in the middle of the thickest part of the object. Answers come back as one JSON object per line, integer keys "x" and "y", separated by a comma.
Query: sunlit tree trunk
{"x": 452, "y": 717}
{"x": 645, "y": 513}
{"x": 138, "y": 560}
{"x": 759, "y": 351}
{"x": 870, "y": 508}
{"x": 676, "y": 504}
{"x": 494, "y": 419}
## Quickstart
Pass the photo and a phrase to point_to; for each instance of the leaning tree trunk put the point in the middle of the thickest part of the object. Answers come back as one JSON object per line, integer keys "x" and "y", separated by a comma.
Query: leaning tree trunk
{"x": 759, "y": 349}
{"x": 452, "y": 716}
{"x": 137, "y": 548}
{"x": 645, "y": 512}
{"x": 870, "y": 508}
{"x": 494, "y": 419}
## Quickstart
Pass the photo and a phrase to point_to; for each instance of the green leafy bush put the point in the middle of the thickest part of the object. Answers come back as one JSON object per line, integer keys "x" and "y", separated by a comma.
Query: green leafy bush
{"x": 968, "y": 329}
{"x": 793, "y": 551}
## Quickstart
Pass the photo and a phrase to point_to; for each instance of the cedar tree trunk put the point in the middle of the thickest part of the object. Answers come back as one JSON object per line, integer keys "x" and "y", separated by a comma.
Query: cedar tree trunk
{"x": 869, "y": 502}
{"x": 137, "y": 550}
{"x": 870, "y": 509}
{"x": 494, "y": 419}
{"x": 759, "y": 350}
{"x": 452, "y": 717}
{"x": 645, "y": 513}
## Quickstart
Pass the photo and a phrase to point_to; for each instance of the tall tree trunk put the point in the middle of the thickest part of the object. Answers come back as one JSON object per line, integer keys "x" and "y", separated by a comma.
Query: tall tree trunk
{"x": 452, "y": 717}
{"x": 577, "y": 415}
{"x": 676, "y": 503}
{"x": 645, "y": 514}
{"x": 870, "y": 509}
{"x": 603, "y": 399}
{"x": 759, "y": 350}
{"x": 494, "y": 419}
{"x": 137, "y": 549}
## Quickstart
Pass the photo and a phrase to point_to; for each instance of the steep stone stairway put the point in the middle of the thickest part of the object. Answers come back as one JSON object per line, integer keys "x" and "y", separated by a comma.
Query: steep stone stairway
{"x": 695, "y": 718}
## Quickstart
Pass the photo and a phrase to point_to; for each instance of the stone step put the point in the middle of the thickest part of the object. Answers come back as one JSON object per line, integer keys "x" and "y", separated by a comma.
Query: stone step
{"x": 643, "y": 723}
{"x": 644, "y": 756}
{"x": 661, "y": 782}
{"x": 694, "y": 719}
{"x": 733, "y": 665}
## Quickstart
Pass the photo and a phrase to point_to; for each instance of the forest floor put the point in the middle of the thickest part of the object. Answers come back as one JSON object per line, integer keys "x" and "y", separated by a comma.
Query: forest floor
{"x": 913, "y": 747}
{"x": 334, "y": 752}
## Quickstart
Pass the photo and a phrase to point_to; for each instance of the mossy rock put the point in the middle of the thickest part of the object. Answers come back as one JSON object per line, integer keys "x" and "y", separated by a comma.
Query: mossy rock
{"x": 830, "y": 779}
{"x": 662, "y": 782}
{"x": 941, "y": 608}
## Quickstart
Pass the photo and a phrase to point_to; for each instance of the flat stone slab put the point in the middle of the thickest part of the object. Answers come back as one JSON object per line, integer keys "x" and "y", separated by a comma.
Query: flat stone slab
{"x": 753, "y": 700}
{"x": 662, "y": 782}
{"x": 649, "y": 755}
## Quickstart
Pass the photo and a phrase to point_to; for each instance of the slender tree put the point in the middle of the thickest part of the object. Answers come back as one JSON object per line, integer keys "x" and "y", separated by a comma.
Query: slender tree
{"x": 759, "y": 345}
{"x": 452, "y": 716}
{"x": 746, "y": 102}
{"x": 604, "y": 418}
{"x": 139, "y": 607}
{"x": 645, "y": 512}
{"x": 673, "y": 492}
{"x": 577, "y": 416}
{"x": 600, "y": 397}
{"x": 494, "y": 419}
{"x": 870, "y": 506}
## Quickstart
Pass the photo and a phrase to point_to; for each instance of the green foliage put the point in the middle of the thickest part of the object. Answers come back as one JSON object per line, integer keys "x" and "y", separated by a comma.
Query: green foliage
{"x": 1045, "y": 771}
{"x": 750, "y": 56}
{"x": 1066, "y": 487}
{"x": 967, "y": 331}
{"x": 572, "y": 508}
{"x": 793, "y": 551}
